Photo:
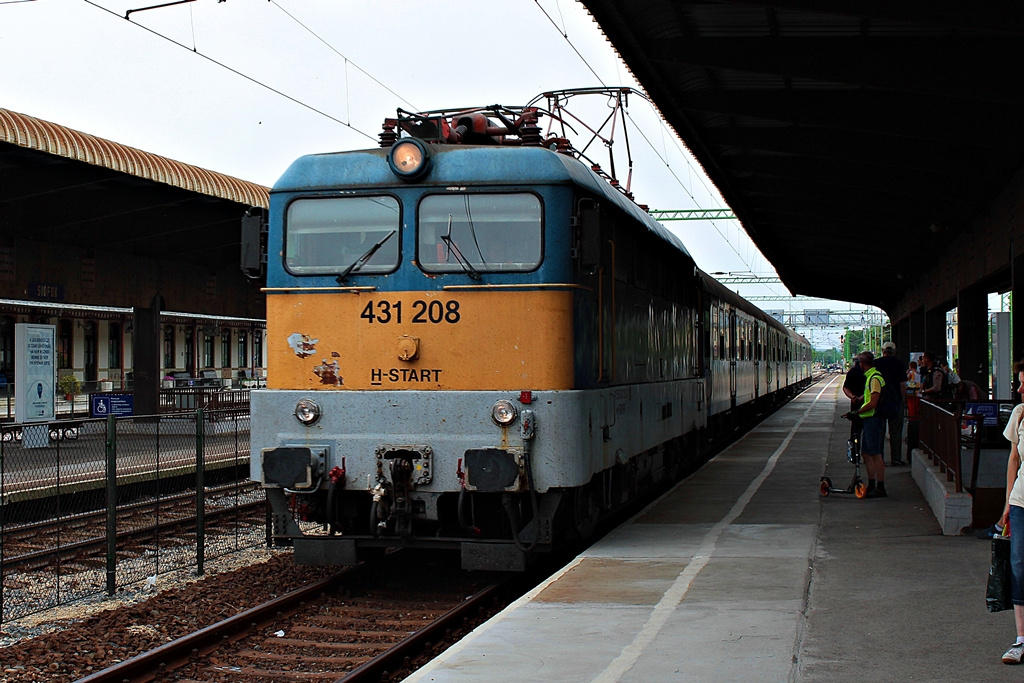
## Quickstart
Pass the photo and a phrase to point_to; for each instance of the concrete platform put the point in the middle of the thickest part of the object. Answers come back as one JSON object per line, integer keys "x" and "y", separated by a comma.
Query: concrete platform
{"x": 743, "y": 572}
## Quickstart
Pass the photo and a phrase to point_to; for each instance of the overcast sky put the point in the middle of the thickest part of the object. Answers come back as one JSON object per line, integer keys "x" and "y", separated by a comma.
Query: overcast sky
{"x": 247, "y": 86}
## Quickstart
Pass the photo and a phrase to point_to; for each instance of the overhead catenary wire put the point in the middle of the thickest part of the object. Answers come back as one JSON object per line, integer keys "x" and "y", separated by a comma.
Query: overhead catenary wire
{"x": 686, "y": 189}
{"x": 566, "y": 36}
{"x": 653, "y": 148}
{"x": 712, "y": 192}
{"x": 247, "y": 77}
{"x": 347, "y": 60}
{"x": 192, "y": 24}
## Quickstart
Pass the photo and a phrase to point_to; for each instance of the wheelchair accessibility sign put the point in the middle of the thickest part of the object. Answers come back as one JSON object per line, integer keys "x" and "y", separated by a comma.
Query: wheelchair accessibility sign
{"x": 102, "y": 405}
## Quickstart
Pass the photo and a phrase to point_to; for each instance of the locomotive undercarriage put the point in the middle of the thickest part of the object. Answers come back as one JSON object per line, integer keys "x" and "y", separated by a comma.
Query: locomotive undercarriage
{"x": 494, "y": 530}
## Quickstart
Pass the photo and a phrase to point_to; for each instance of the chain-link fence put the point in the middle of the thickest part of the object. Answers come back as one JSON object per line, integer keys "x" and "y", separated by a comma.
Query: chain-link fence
{"x": 103, "y": 504}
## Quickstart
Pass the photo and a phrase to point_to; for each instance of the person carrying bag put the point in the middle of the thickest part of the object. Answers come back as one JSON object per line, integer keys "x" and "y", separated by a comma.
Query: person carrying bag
{"x": 1013, "y": 520}
{"x": 997, "y": 598}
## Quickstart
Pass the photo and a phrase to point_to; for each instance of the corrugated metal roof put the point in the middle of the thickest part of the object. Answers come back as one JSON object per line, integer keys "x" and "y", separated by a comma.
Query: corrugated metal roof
{"x": 820, "y": 121}
{"x": 32, "y": 133}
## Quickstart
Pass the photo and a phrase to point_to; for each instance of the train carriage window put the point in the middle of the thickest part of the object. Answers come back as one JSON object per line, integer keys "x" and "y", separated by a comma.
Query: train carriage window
{"x": 327, "y": 235}
{"x": 487, "y": 232}
{"x": 728, "y": 332}
{"x": 716, "y": 348}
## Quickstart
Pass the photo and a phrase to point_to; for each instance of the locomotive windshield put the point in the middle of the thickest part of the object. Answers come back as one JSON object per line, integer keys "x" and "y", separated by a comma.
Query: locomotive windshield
{"x": 327, "y": 235}
{"x": 479, "y": 232}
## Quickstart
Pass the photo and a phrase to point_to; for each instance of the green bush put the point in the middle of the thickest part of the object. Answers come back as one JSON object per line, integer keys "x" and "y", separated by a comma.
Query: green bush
{"x": 69, "y": 384}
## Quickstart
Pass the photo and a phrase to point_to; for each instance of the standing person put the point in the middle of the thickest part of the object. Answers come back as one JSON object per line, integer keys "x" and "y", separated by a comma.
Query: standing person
{"x": 913, "y": 378}
{"x": 894, "y": 372}
{"x": 872, "y": 440}
{"x": 952, "y": 379}
{"x": 853, "y": 388}
{"x": 933, "y": 380}
{"x": 1013, "y": 514}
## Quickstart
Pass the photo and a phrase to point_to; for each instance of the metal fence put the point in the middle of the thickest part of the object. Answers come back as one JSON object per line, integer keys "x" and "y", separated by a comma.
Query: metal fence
{"x": 950, "y": 432}
{"x": 940, "y": 439}
{"x": 111, "y": 503}
{"x": 182, "y": 396}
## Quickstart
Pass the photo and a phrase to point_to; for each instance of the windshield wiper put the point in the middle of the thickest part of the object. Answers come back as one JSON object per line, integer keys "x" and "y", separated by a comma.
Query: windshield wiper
{"x": 454, "y": 249}
{"x": 361, "y": 261}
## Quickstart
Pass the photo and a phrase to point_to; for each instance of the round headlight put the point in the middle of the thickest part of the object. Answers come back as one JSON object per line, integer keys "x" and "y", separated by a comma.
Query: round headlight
{"x": 307, "y": 411}
{"x": 504, "y": 413}
{"x": 408, "y": 158}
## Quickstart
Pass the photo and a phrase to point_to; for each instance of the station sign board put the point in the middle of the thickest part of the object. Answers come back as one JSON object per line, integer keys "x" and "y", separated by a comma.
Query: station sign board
{"x": 35, "y": 372}
{"x": 990, "y": 411}
{"x": 118, "y": 405}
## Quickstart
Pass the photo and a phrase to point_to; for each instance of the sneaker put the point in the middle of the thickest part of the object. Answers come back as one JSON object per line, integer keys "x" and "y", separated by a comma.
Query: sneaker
{"x": 876, "y": 493}
{"x": 1014, "y": 654}
{"x": 988, "y": 533}
{"x": 899, "y": 463}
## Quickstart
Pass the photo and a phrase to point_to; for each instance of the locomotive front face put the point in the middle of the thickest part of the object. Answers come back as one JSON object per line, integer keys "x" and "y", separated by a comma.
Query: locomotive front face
{"x": 408, "y": 327}
{"x": 407, "y": 401}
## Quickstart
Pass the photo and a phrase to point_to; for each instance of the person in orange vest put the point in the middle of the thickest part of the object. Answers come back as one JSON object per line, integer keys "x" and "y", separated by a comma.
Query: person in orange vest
{"x": 872, "y": 438}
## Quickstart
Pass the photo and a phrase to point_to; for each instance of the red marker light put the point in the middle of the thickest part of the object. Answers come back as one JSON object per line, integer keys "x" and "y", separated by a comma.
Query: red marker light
{"x": 526, "y": 397}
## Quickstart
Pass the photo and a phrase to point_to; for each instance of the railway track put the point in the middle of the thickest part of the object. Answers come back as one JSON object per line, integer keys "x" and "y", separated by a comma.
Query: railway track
{"x": 78, "y": 538}
{"x": 367, "y": 623}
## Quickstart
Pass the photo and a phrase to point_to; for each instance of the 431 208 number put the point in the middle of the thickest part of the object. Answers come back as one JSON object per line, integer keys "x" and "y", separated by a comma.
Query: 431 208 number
{"x": 435, "y": 312}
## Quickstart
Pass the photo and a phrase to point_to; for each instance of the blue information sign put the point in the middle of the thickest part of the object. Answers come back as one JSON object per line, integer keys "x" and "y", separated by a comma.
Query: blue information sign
{"x": 989, "y": 410}
{"x": 102, "y": 405}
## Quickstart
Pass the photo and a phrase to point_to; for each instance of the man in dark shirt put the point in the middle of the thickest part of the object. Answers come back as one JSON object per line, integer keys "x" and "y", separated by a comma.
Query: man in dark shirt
{"x": 894, "y": 372}
{"x": 853, "y": 388}
{"x": 933, "y": 379}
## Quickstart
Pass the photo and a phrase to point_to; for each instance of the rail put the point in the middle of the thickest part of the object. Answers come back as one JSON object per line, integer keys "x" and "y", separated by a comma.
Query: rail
{"x": 106, "y": 466}
{"x": 398, "y": 642}
{"x": 181, "y": 650}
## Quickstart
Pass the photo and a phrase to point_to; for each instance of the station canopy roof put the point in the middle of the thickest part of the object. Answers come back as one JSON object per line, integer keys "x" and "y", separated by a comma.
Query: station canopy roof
{"x": 852, "y": 140}
{"x": 69, "y": 188}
